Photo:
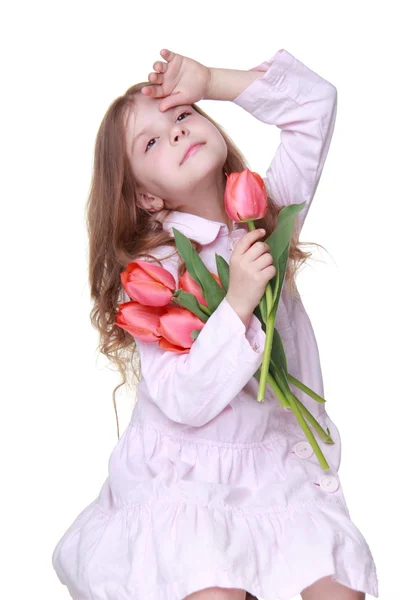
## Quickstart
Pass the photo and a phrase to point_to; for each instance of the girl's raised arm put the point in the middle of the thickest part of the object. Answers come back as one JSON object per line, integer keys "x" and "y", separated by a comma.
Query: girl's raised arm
{"x": 303, "y": 105}
{"x": 194, "y": 388}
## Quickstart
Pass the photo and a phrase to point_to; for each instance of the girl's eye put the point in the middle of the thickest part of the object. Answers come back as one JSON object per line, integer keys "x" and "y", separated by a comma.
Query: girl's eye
{"x": 184, "y": 113}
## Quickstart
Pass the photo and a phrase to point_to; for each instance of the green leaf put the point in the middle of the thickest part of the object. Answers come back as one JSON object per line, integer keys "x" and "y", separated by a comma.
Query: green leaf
{"x": 279, "y": 247}
{"x": 281, "y": 271}
{"x": 211, "y": 290}
{"x": 185, "y": 248}
{"x": 275, "y": 283}
{"x": 282, "y": 234}
{"x": 187, "y": 300}
{"x": 223, "y": 271}
{"x": 278, "y": 355}
{"x": 257, "y": 312}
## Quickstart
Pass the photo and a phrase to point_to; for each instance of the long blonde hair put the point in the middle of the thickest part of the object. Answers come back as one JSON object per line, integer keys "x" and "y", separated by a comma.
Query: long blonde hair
{"x": 120, "y": 230}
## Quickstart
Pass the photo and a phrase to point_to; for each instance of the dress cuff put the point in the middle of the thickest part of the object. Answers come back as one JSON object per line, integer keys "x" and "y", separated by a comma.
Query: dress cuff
{"x": 255, "y": 335}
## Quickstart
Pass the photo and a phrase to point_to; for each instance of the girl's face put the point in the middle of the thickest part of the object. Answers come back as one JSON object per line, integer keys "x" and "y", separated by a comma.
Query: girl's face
{"x": 156, "y": 144}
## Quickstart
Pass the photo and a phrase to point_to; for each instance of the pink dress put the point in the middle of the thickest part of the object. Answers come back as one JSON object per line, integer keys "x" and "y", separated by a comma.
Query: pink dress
{"x": 206, "y": 486}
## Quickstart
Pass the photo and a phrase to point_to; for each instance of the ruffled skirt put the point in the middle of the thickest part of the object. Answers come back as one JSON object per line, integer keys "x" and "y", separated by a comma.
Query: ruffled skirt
{"x": 176, "y": 516}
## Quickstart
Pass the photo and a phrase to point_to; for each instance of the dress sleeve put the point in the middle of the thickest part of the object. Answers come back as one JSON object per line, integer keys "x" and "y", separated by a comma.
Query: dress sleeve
{"x": 194, "y": 388}
{"x": 303, "y": 105}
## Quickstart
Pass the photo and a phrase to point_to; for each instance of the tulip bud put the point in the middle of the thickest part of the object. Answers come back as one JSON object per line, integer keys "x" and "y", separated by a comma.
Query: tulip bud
{"x": 147, "y": 283}
{"x": 245, "y": 196}
{"x": 140, "y": 321}
{"x": 176, "y": 326}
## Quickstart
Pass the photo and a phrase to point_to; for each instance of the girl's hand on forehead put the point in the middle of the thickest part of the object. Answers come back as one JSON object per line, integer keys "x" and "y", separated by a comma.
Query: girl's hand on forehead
{"x": 180, "y": 80}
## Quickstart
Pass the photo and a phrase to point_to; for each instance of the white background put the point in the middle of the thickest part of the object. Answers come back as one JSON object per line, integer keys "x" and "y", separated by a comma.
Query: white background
{"x": 63, "y": 65}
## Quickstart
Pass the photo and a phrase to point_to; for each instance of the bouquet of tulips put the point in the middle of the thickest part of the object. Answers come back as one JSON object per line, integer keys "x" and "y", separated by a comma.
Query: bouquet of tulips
{"x": 174, "y": 317}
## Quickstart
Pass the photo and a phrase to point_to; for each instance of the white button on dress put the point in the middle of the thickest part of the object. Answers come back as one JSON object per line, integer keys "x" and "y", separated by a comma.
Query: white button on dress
{"x": 303, "y": 450}
{"x": 329, "y": 483}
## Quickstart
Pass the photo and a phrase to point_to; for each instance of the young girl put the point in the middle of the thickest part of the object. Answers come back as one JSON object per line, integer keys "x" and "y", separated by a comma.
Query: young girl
{"x": 211, "y": 494}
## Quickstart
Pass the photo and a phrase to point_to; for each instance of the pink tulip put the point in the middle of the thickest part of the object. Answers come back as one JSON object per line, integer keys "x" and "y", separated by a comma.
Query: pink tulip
{"x": 147, "y": 283}
{"x": 140, "y": 321}
{"x": 188, "y": 284}
{"x": 176, "y": 325}
{"x": 245, "y": 196}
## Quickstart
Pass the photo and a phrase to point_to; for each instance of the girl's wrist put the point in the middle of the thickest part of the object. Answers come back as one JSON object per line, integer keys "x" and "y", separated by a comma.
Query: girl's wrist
{"x": 227, "y": 84}
{"x": 243, "y": 312}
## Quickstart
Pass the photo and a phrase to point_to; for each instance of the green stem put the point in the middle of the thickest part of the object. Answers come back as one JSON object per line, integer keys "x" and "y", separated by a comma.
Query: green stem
{"x": 308, "y": 433}
{"x": 267, "y": 300}
{"x": 310, "y": 417}
{"x": 268, "y": 296}
{"x": 306, "y": 389}
{"x": 287, "y": 397}
{"x": 266, "y": 359}
{"x": 298, "y": 408}
{"x": 277, "y": 391}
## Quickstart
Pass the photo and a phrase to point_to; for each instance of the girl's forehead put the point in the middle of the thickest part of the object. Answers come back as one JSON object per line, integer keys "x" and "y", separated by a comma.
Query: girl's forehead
{"x": 144, "y": 107}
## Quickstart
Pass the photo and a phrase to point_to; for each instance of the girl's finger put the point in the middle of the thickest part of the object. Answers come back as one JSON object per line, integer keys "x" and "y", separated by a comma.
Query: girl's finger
{"x": 160, "y": 66}
{"x": 148, "y": 90}
{"x": 156, "y": 77}
{"x": 157, "y": 91}
{"x": 170, "y": 101}
{"x": 167, "y": 54}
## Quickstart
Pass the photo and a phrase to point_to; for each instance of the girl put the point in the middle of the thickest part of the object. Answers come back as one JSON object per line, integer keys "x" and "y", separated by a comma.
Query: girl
{"x": 211, "y": 494}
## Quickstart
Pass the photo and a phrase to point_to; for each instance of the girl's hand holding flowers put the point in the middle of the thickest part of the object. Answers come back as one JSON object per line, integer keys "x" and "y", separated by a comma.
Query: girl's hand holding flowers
{"x": 180, "y": 80}
{"x": 250, "y": 271}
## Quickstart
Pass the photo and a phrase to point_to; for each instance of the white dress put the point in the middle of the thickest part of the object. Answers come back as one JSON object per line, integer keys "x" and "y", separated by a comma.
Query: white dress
{"x": 206, "y": 486}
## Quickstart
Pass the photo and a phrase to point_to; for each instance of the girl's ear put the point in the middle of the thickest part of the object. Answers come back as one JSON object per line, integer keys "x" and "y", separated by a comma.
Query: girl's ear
{"x": 150, "y": 203}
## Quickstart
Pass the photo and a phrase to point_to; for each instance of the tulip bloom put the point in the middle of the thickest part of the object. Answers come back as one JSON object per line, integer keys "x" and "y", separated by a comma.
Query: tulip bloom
{"x": 245, "y": 196}
{"x": 140, "y": 321}
{"x": 148, "y": 283}
{"x": 150, "y": 317}
{"x": 176, "y": 327}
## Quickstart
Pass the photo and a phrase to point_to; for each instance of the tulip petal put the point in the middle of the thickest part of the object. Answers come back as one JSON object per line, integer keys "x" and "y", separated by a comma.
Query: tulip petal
{"x": 158, "y": 273}
{"x": 176, "y": 324}
{"x": 245, "y": 196}
{"x": 149, "y": 284}
{"x": 166, "y": 345}
{"x": 149, "y": 293}
{"x": 188, "y": 284}
{"x": 140, "y": 321}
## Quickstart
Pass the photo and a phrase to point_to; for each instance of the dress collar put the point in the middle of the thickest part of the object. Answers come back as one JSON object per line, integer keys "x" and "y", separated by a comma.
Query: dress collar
{"x": 198, "y": 228}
